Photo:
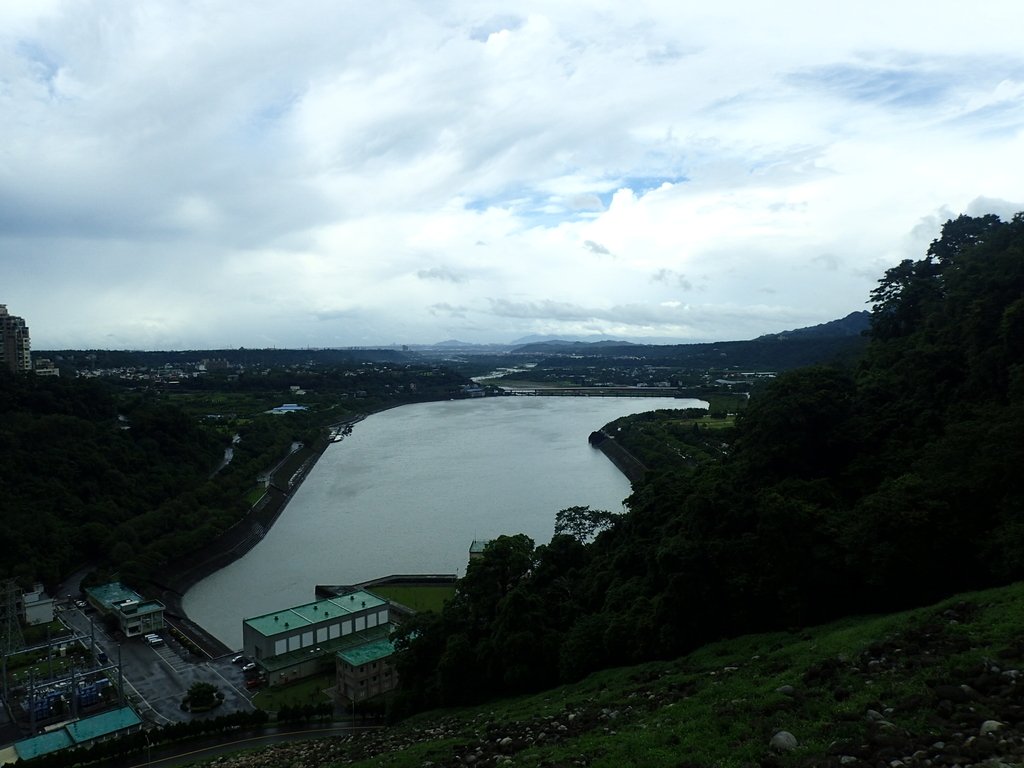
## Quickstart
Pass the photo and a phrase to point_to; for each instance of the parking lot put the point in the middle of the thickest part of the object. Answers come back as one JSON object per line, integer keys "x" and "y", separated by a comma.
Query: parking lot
{"x": 158, "y": 677}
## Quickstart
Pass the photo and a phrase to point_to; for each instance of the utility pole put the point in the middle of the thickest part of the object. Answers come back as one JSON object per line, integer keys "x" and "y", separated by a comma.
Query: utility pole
{"x": 32, "y": 701}
{"x": 49, "y": 653}
{"x": 74, "y": 691}
{"x": 120, "y": 677}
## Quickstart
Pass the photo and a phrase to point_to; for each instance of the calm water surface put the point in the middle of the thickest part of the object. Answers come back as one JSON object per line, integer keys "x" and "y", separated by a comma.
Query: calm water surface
{"x": 412, "y": 487}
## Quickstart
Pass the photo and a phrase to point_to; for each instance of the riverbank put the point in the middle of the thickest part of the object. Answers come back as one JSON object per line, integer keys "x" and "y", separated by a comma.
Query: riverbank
{"x": 624, "y": 461}
{"x": 419, "y": 489}
{"x": 237, "y": 540}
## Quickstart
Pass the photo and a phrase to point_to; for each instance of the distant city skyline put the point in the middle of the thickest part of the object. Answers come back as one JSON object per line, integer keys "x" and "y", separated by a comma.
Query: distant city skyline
{"x": 215, "y": 175}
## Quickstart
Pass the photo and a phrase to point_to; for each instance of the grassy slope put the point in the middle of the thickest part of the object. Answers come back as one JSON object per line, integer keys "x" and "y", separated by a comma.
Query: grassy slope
{"x": 722, "y": 704}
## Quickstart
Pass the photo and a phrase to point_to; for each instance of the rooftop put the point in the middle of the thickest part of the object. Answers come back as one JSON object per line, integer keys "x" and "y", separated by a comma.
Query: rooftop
{"x": 95, "y": 727}
{"x": 288, "y": 408}
{"x": 341, "y": 644}
{"x": 367, "y": 652}
{"x": 318, "y": 612}
{"x": 79, "y": 732}
{"x": 111, "y": 596}
{"x": 115, "y": 592}
{"x": 37, "y": 746}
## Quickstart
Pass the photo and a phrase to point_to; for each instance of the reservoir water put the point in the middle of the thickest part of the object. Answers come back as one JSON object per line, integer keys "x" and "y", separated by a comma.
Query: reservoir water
{"x": 411, "y": 488}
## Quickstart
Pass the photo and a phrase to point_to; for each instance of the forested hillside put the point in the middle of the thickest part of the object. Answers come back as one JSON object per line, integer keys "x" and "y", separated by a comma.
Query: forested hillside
{"x": 885, "y": 483}
{"x": 78, "y": 470}
{"x": 126, "y": 475}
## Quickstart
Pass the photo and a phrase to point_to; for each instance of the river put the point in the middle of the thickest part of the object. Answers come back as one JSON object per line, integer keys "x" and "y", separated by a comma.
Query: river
{"x": 412, "y": 487}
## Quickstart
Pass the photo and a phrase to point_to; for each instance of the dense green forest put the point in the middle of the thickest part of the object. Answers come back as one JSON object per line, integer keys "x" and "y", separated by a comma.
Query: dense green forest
{"x": 81, "y": 469}
{"x": 885, "y": 482}
{"x": 127, "y": 475}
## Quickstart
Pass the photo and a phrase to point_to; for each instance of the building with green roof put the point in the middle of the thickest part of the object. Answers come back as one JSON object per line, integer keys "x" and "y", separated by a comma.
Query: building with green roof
{"x": 301, "y": 641}
{"x": 135, "y": 615}
{"x": 365, "y": 670}
{"x": 80, "y": 733}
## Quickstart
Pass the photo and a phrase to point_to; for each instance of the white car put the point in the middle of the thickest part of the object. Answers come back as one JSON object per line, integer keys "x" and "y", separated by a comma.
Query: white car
{"x": 249, "y": 667}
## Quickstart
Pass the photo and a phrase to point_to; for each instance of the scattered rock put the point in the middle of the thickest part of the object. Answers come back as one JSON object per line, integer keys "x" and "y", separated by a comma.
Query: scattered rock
{"x": 783, "y": 741}
{"x": 989, "y": 727}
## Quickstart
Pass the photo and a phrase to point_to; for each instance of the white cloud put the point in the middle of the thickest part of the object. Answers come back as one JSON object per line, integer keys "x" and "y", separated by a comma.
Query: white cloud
{"x": 197, "y": 174}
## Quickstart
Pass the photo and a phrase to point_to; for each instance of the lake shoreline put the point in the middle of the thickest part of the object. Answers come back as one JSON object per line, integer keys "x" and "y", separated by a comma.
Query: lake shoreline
{"x": 412, "y": 493}
{"x": 235, "y": 542}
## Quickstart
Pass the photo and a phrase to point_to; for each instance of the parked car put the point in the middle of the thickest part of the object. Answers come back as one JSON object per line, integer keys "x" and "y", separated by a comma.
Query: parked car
{"x": 238, "y": 659}
{"x": 248, "y": 667}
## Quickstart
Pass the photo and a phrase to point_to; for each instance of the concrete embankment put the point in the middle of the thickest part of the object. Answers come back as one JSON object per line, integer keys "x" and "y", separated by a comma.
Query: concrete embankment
{"x": 624, "y": 461}
{"x": 233, "y": 543}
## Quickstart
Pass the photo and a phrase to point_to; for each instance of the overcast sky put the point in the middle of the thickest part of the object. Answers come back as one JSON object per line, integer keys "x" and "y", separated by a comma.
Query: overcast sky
{"x": 221, "y": 174}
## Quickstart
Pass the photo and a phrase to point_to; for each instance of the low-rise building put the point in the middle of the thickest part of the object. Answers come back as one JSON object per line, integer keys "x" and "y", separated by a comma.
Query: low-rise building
{"x": 366, "y": 670}
{"x": 36, "y": 606}
{"x": 45, "y": 367}
{"x": 79, "y": 733}
{"x": 135, "y": 615}
{"x": 298, "y": 642}
{"x": 288, "y": 408}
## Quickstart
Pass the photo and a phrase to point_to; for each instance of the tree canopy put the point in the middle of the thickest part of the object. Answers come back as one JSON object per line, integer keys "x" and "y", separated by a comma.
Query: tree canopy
{"x": 887, "y": 482}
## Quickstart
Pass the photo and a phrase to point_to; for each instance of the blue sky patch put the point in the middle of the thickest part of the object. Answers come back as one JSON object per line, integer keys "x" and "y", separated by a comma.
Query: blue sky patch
{"x": 885, "y": 85}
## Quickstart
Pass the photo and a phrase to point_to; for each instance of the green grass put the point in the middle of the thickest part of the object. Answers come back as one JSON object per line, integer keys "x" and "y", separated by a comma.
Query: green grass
{"x": 429, "y": 597}
{"x": 18, "y": 664}
{"x": 720, "y": 705}
{"x": 308, "y": 691}
{"x": 254, "y": 494}
{"x": 203, "y": 403}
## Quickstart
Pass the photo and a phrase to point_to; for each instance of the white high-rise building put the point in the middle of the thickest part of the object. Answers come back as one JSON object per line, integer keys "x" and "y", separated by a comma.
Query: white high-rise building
{"x": 14, "y": 343}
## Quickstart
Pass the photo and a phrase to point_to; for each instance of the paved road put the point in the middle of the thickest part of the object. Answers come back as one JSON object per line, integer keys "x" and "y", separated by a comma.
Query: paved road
{"x": 156, "y": 679}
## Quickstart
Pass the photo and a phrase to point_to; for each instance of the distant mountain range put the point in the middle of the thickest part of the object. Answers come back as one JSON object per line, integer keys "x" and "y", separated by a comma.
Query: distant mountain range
{"x": 779, "y": 351}
{"x": 776, "y": 351}
{"x": 854, "y": 324}
{"x": 851, "y": 325}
